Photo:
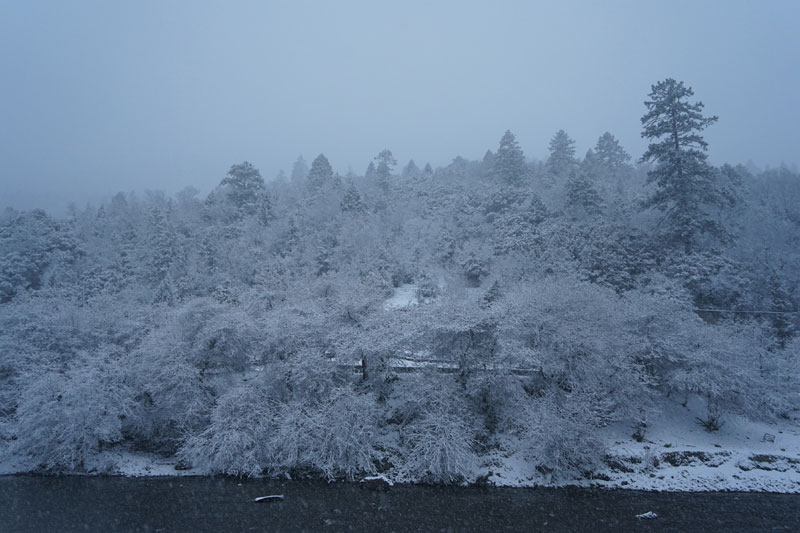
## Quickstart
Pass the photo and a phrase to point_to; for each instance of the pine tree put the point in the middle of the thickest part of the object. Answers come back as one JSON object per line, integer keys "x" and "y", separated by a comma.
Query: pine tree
{"x": 591, "y": 165}
{"x": 610, "y": 155}
{"x": 411, "y": 170}
{"x": 686, "y": 185}
{"x": 383, "y": 171}
{"x": 299, "y": 170}
{"x": 162, "y": 246}
{"x": 581, "y": 194}
{"x": 782, "y": 322}
{"x": 487, "y": 165}
{"x": 370, "y": 173}
{"x": 351, "y": 200}
{"x": 245, "y": 188}
{"x": 561, "y": 162}
{"x": 320, "y": 174}
{"x": 509, "y": 161}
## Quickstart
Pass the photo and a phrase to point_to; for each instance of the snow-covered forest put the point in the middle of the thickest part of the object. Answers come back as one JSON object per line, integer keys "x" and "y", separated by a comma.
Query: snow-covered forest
{"x": 406, "y": 319}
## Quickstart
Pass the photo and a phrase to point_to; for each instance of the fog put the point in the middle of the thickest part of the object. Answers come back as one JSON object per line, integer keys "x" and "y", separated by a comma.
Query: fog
{"x": 98, "y": 97}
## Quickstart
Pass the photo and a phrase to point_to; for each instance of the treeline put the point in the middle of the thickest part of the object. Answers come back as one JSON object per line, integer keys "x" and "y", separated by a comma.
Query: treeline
{"x": 228, "y": 329}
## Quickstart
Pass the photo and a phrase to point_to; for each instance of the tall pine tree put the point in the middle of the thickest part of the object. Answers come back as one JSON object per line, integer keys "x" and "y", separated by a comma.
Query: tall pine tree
{"x": 687, "y": 187}
{"x": 299, "y": 170}
{"x": 245, "y": 189}
{"x": 509, "y": 161}
{"x": 610, "y": 155}
{"x": 383, "y": 172}
{"x": 321, "y": 173}
{"x": 562, "y": 162}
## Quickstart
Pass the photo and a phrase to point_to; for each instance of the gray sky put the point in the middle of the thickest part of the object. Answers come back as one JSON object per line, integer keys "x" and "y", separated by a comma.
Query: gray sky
{"x": 97, "y": 97}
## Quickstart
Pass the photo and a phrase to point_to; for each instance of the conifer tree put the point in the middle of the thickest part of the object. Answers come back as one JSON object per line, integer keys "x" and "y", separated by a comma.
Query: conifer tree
{"x": 162, "y": 246}
{"x": 370, "y": 173}
{"x": 582, "y": 194}
{"x": 487, "y": 165}
{"x": 610, "y": 155}
{"x": 245, "y": 188}
{"x": 591, "y": 165}
{"x": 687, "y": 187}
{"x": 411, "y": 170}
{"x": 561, "y": 161}
{"x": 320, "y": 174}
{"x": 782, "y": 321}
{"x": 509, "y": 161}
{"x": 351, "y": 200}
{"x": 383, "y": 171}
{"x": 299, "y": 170}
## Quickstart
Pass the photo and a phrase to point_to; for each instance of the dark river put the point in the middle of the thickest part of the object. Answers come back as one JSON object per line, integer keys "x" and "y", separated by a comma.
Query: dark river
{"x": 31, "y": 503}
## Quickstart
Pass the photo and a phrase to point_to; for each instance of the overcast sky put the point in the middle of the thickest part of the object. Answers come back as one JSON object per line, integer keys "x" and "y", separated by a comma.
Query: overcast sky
{"x": 97, "y": 97}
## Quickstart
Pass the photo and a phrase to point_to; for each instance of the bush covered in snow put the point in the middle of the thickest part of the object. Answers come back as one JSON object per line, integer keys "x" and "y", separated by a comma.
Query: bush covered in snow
{"x": 64, "y": 418}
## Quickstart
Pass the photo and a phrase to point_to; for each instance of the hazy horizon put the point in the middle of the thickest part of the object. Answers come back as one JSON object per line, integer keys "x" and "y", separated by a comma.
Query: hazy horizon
{"x": 102, "y": 97}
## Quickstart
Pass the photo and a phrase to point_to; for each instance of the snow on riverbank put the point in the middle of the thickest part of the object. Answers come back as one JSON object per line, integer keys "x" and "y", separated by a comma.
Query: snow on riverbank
{"x": 676, "y": 454}
{"x": 119, "y": 461}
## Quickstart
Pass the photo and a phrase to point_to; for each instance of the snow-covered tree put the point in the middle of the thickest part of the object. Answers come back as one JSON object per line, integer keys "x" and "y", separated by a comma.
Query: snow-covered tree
{"x": 383, "y": 170}
{"x": 244, "y": 188}
{"x": 610, "y": 155}
{"x": 351, "y": 201}
{"x": 561, "y": 161}
{"x": 687, "y": 188}
{"x": 299, "y": 170}
{"x": 411, "y": 170}
{"x": 582, "y": 195}
{"x": 64, "y": 418}
{"x": 370, "y": 173}
{"x": 321, "y": 173}
{"x": 784, "y": 311}
{"x": 509, "y": 162}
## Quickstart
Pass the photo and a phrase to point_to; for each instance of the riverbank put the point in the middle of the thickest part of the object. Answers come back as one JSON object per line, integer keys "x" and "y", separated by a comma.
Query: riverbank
{"x": 674, "y": 453}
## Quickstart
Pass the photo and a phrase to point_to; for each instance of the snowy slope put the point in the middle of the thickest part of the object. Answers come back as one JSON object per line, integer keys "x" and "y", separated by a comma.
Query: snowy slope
{"x": 678, "y": 454}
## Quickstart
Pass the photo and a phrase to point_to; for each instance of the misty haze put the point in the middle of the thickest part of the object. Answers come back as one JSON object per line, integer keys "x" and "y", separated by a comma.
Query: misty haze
{"x": 508, "y": 245}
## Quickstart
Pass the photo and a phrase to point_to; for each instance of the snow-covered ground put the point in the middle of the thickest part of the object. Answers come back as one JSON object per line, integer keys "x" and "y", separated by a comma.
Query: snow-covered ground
{"x": 404, "y": 296}
{"x": 678, "y": 454}
{"x": 118, "y": 461}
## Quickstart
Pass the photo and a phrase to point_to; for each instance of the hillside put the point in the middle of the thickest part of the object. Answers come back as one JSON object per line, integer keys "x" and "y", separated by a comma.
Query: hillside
{"x": 433, "y": 325}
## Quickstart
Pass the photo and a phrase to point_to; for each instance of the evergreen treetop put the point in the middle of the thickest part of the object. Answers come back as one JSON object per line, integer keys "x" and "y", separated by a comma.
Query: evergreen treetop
{"x": 561, "y": 161}
{"x": 509, "y": 161}
{"x": 320, "y": 174}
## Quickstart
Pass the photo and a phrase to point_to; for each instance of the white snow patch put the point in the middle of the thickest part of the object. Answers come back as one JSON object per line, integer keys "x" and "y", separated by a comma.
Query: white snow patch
{"x": 379, "y": 477}
{"x": 267, "y": 498}
{"x": 404, "y": 296}
{"x": 676, "y": 454}
{"x": 117, "y": 461}
{"x": 125, "y": 462}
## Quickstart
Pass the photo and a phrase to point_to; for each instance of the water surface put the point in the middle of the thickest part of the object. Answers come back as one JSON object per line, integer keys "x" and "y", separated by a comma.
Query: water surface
{"x": 38, "y": 503}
